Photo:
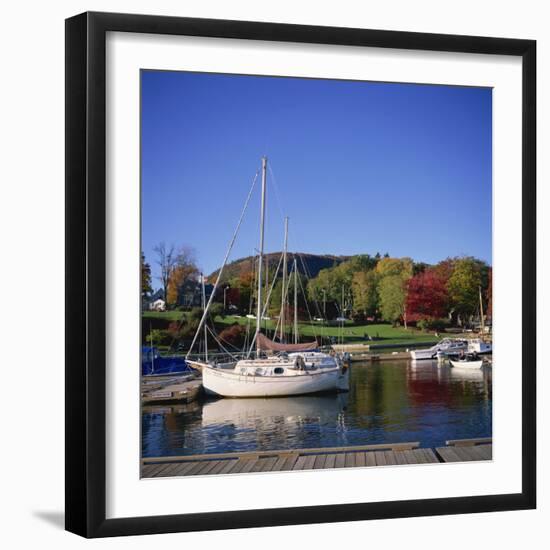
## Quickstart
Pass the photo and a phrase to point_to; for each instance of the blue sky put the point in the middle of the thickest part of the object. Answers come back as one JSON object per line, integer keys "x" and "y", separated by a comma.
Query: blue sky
{"x": 359, "y": 167}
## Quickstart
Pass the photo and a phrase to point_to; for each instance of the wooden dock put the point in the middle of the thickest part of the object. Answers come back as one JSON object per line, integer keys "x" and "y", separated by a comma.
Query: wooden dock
{"x": 170, "y": 389}
{"x": 315, "y": 459}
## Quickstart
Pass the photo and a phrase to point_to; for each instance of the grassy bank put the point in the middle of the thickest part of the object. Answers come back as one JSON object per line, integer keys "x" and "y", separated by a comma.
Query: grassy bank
{"x": 379, "y": 333}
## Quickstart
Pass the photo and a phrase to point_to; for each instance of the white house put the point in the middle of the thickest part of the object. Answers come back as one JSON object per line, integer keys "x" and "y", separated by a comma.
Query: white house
{"x": 158, "y": 305}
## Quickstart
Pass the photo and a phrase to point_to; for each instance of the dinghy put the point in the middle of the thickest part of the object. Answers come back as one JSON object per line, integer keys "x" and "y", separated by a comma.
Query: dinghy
{"x": 467, "y": 363}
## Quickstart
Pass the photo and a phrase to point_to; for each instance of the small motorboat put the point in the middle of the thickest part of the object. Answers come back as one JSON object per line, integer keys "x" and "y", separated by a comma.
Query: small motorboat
{"x": 479, "y": 346}
{"x": 467, "y": 361}
{"x": 448, "y": 346}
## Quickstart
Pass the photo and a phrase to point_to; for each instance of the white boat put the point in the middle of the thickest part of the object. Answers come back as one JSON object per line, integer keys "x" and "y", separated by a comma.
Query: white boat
{"x": 447, "y": 346}
{"x": 479, "y": 346}
{"x": 298, "y": 369}
{"x": 276, "y": 377}
{"x": 466, "y": 363}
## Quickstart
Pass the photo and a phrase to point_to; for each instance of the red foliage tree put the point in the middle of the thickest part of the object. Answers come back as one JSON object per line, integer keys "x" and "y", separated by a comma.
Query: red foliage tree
{"x": 234, "y": 335}
{"x": 427, "y": 296}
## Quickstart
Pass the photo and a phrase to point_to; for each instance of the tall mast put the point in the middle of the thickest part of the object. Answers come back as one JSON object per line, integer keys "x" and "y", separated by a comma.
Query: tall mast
{"x": 295, "y": 301}
{"x": 205, "y": 327}
{"x": 283, "y": 297}
{"x": 261, "y": 253}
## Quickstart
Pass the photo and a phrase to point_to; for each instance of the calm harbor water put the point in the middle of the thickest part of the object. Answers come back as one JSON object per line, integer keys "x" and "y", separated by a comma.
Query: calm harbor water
{"x": 388, "y": 402}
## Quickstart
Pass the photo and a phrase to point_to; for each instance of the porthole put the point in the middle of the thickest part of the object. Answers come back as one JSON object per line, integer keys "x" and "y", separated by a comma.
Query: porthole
{"x": 278, "y": 370}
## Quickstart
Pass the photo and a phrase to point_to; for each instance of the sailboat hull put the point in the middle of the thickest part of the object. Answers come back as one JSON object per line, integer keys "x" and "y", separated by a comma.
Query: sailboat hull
{"x": 231, "y": 384}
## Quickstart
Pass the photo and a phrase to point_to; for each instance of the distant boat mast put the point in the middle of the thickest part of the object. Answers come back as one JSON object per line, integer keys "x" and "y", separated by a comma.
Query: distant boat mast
{"x": 295, "y": 301}
{"x": 481, "y": 312}
{"x": 283, "y": 293}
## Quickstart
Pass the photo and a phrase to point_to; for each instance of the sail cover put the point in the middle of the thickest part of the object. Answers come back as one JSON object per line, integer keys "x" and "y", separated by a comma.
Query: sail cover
{"x": 265, "y": 344}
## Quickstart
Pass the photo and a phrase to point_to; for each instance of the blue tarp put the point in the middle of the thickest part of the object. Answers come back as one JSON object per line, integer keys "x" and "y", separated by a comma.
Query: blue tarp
{"x": 153, "y": 363}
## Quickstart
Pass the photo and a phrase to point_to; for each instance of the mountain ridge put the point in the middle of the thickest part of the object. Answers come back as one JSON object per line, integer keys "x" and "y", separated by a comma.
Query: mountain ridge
{"x": 313, "y": 263}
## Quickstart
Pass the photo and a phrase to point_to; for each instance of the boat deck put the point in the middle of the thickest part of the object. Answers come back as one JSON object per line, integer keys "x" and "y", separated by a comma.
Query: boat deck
{"x": 464, "y": 450}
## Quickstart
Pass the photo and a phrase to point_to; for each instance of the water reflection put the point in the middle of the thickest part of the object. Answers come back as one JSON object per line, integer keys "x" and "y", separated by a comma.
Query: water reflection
{"x": 387, "y": 402}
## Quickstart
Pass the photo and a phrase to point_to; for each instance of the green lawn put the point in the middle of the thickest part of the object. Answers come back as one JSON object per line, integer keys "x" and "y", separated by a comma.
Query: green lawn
{"x": 380, "y": 333}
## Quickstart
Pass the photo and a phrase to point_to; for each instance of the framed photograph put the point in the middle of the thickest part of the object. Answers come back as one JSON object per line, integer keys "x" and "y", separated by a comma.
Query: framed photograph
{"x": 300, "y": 274}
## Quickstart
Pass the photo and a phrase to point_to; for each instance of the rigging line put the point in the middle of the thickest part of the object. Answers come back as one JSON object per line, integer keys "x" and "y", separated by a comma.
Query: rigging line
{"x": 307, "y": 308}
{"x": 276, "y": 187}
{"x": 309, "y": 277}
{"x": 285, "y": 290}
{"x": 210, "y": 300}
{"x": 217, "y": 336}
{"x": 266, "y": 302}
{"x": 219, "y": 340}
{"x": 215, "y": 333}
{"x": 227, "y": 351}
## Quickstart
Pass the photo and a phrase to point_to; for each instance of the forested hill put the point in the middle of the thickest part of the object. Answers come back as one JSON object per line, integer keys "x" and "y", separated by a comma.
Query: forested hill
{"x": 313, "y": 263}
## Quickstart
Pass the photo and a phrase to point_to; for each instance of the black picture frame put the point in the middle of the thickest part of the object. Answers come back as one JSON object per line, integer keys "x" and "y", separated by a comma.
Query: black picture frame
{"x": 86, "y": 274}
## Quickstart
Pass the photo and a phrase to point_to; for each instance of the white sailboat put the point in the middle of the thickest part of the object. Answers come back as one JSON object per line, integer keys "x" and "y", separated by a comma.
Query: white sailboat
{"x": 297, "y": 369}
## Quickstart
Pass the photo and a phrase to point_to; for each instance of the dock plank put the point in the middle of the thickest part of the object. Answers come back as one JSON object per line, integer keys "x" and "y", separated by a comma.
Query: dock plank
{"x": 360, "y": 460}
{"x": 340, "y": 461}
{"x": 268, "y": 463}
{"x": 370, "y": 458}
{"x": 486, "y": 451}
{"x": 300, "y": 463}
{"x": 207, "y": 469}
{"x": 290, "y": 462}
{"x": 448, "y": 454}
{"x": 400, "y": 457}
{"x": 177, "y": 468}
{"x": 380, "y": 458}
{"x": 320, "y": 461}
{"x": 229, "y": 466}
{"x": 155, "y": 472}
{"x": 431, "y": 458}
{"x": 409, "y": 457}
{"x": 310, "y": 461}
{"x": 219, "y": 467}
{"x": 279, "y": 464}
{"x": 390, "y": 458}
{"x": 419, "y": 456}
{"x": 330, "y": 461}
{"x": 469, "y": 453}
{"x": 350, "y": 460}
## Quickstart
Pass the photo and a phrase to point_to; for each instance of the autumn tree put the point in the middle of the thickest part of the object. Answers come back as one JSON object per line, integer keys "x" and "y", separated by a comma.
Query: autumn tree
{"x": 427, "y": 296}
{"x": 395, "y": 266}
{"x": 392, "y": 298}
{"x": 329, "y": 283}
{"x": 146, "y": 279}
{"x": 393, "y": 276}
{"x": 463, "y": 287}
{"x": 175, "y": 267}
{"x": 184, "y": 268}
{"x": 365, "y": 292}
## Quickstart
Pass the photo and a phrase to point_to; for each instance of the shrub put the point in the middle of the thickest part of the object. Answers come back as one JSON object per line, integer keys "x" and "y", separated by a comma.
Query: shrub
{"x": 216, "y": 310}
{"x": 433, "y": 324}
{"x": 234, "y": 335}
